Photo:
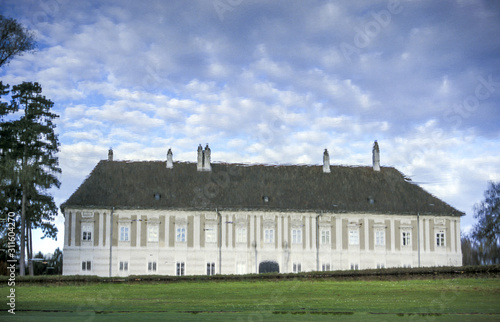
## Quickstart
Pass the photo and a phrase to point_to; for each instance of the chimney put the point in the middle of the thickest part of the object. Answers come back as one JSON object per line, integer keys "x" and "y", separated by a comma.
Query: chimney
{"x": 110, "y": 154}
{"x": 376, "y": 157}
{"x": 206, "y": 159}
{"x": 170, "y": 162}
{"x": 199, "y": 166}
{"x": 326, "y": 162}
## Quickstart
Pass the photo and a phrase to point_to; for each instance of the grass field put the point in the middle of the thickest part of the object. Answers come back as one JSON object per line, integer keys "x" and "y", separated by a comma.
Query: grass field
{"x": 300, "y": 299}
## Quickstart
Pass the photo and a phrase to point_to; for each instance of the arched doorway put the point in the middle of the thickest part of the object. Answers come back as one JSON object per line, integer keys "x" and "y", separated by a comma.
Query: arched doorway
{"x": 269, "y": 267}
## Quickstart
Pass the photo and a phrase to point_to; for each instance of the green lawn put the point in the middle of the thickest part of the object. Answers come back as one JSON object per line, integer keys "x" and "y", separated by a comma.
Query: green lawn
{"x": 457, "y": 299}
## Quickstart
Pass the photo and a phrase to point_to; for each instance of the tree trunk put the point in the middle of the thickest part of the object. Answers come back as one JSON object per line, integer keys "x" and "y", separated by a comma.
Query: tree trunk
{"x": 23, "y": 234}
{"x": 30, "y": 253}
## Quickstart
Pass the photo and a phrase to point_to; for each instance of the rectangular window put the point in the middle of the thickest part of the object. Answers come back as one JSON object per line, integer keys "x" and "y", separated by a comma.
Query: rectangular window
{"x": 296, "y": 268}
{"x": 87, "y": 229}
{"x": 325, "y": 267}
{"x": 123, "y": 266}
{"x": 152, "y": 266}
{"x": 241, "y": 235}
{"x": 124, "y": 233}
{"x": 180, "y": 269}
{"x": 153, "y": 233}
{"x": 353, "y": 237}
{"x": 86, "y": 265}
{"x": 269, "y": 236}
{"x": 380, "y": 266}
{"x": 354, "y": 267}
{"x": 296, "y": 236}
{"x": 380, "y": 238}
{"x": 210, "y": 268}
{"x": 440, "y": 239}
{"x": 325, "y": 237}
{"x": 181, "y": 234}
{"x": 210, "y": 236}
{"x": 406, "y": 238}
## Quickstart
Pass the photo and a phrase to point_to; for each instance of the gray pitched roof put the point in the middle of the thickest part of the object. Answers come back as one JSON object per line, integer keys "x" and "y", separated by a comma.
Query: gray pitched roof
{"x": 150, "y": 185}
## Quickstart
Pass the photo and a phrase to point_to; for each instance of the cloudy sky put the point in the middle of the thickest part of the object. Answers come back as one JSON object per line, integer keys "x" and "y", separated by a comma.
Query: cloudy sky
{"x": 272, "y": 82}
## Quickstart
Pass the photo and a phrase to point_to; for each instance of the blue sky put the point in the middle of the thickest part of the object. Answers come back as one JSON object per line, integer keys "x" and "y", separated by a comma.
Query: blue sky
{"x": 272, "y": 82}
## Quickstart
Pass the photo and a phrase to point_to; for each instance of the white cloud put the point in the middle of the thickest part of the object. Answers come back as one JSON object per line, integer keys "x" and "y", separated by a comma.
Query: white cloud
{"x": 268, "y": 78}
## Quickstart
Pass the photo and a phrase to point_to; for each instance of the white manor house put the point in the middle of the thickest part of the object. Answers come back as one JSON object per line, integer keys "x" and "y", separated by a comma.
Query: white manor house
{"x": 186, "y": 218}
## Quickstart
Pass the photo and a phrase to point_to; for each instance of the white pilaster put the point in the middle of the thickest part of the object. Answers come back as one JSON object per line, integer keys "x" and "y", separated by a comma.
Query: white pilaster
{"x": 252, "y": 230}
{"x": 73, "y": 228}
{"x": 315, "y": 222}
{"x": 279, "y": 233}
{"x": 138, "y": 232}
{"x": 257, "y": 237}
{"x": 428, "y": 238}
{"x": 367, "y": 235}
{"x": 167, "y": 224}
{"x": 307, "y": 235}
{"x": 452, "y": 236}
{"x": 393, "y": 236}
{"x": 338, "y": 233}
{"x": 224, "y": 231}
{"x": 101, "y": 229}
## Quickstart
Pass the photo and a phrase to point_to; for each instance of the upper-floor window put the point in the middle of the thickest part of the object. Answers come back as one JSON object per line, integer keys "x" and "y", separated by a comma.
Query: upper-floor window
{"x": 325, "y": 236}
{"x": 353, "y": 237}
{"x": 210, "y": 235}
{"x": 241, "y": 235}
{"x": 124, "y": 233}
{"x": 296, "y": 236}
{"x": 153, "y": 232}
{"x": 406, "y": 238}
{"x": 440, "y": 239}
{"x": 269, "y": 235}
{"x": 380, "y": 238}
{"x": 180, "y": 235}
{"x": 87, "y": 229}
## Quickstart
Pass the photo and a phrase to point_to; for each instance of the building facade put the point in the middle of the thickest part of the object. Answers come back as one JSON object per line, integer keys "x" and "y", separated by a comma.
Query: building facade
{"x": 177, "y": 218}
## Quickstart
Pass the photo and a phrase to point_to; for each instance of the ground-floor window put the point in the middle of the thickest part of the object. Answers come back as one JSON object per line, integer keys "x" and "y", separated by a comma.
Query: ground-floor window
{"x": 325, "y": 267}
{"x": 380, "y": 266}
{"x": 354, "y": 266}
{"x": 180, "y": 269}
{"x": 124, "y": 266}
{"x": 152, "y": 266}
{"x": 210, "y": 268}
{"x": 297, "y": 268}
{"x": 86, "y": 266}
